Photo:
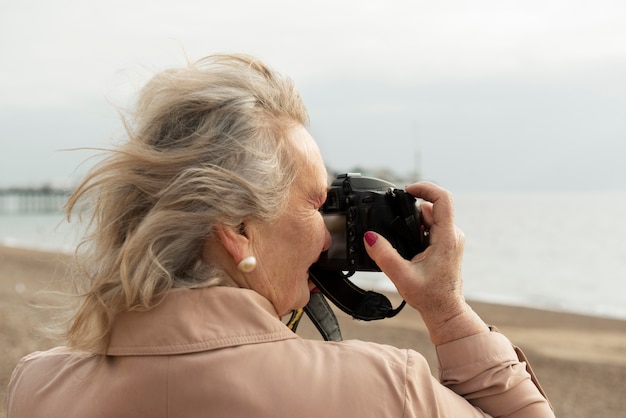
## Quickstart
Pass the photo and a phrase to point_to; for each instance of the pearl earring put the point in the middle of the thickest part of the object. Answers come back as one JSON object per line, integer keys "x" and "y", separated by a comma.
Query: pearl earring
{"x": 247, "y": 264}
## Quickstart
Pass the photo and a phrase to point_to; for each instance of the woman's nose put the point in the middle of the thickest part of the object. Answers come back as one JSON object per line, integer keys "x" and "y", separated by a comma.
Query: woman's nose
{"x": 327, "y": 239}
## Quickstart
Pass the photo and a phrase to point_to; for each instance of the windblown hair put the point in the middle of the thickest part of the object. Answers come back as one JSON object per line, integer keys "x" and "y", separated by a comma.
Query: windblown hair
{"x": 206, "y": 145}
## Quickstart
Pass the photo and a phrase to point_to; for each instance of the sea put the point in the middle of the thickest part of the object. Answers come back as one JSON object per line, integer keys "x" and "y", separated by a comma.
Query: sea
{"x": 561, "y": 251}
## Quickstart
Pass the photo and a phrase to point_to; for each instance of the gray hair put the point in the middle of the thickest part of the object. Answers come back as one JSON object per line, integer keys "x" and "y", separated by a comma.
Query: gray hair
{"x": 206, "y": 145}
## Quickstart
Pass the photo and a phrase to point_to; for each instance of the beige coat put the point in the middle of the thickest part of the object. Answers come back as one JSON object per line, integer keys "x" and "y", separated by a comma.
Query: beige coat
{"x": 223, "y": 352}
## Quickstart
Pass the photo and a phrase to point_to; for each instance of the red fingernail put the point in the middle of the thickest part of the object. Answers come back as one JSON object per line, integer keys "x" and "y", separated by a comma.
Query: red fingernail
{"x": 370, "y": 238}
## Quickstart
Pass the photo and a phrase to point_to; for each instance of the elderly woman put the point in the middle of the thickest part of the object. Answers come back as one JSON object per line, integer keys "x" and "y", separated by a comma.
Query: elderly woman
{"x": 204, "y": 225}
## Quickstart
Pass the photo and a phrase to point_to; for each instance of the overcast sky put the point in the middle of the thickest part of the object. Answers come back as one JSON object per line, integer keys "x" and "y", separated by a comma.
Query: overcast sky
{"x": 475, "y": 95}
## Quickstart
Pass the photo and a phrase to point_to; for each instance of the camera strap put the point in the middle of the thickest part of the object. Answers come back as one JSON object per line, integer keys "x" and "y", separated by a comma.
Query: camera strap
{"x": 351, "y": 299}
{"x": 356, "y": 302}
{"x": 321, "y": 315}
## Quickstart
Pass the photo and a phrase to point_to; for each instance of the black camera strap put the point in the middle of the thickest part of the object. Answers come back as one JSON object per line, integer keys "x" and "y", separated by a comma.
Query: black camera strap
{"x": 360, "y": 304}
{"x": 351, "y": 299}
{"x": 356, "y": 302}
{"x": 321, "y": 315}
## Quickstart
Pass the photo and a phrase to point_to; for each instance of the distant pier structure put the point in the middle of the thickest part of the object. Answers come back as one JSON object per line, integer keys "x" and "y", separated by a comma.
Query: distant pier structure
{"x": 43, "y": 199}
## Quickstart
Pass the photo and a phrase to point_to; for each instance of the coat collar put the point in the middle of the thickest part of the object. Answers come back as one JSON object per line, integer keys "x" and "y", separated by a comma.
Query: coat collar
{"x": 192, "y": 320}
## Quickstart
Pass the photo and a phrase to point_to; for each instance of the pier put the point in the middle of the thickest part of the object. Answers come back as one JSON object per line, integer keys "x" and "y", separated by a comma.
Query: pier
{"x": 43, "y": 199}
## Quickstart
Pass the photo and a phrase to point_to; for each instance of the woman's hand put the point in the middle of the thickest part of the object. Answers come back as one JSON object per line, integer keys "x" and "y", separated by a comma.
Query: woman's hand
{"x": 431, "y": 282}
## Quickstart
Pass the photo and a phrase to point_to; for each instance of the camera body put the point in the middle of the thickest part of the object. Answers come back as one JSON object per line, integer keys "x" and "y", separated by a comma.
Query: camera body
{"x": 356, "y": 204}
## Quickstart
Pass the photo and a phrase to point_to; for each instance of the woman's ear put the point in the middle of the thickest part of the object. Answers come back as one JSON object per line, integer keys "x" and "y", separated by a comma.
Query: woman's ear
{"x": 234, "y": 240}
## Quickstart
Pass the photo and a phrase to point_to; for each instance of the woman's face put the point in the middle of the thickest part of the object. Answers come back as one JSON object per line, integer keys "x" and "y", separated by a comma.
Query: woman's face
{"x": 286, "y": 248}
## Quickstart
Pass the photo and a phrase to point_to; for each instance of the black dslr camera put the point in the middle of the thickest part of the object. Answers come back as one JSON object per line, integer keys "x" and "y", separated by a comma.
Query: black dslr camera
{"x": 357, "y": 204}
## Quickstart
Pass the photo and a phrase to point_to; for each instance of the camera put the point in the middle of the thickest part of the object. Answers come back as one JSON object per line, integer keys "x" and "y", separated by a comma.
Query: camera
{"x": 356, "y": 204}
